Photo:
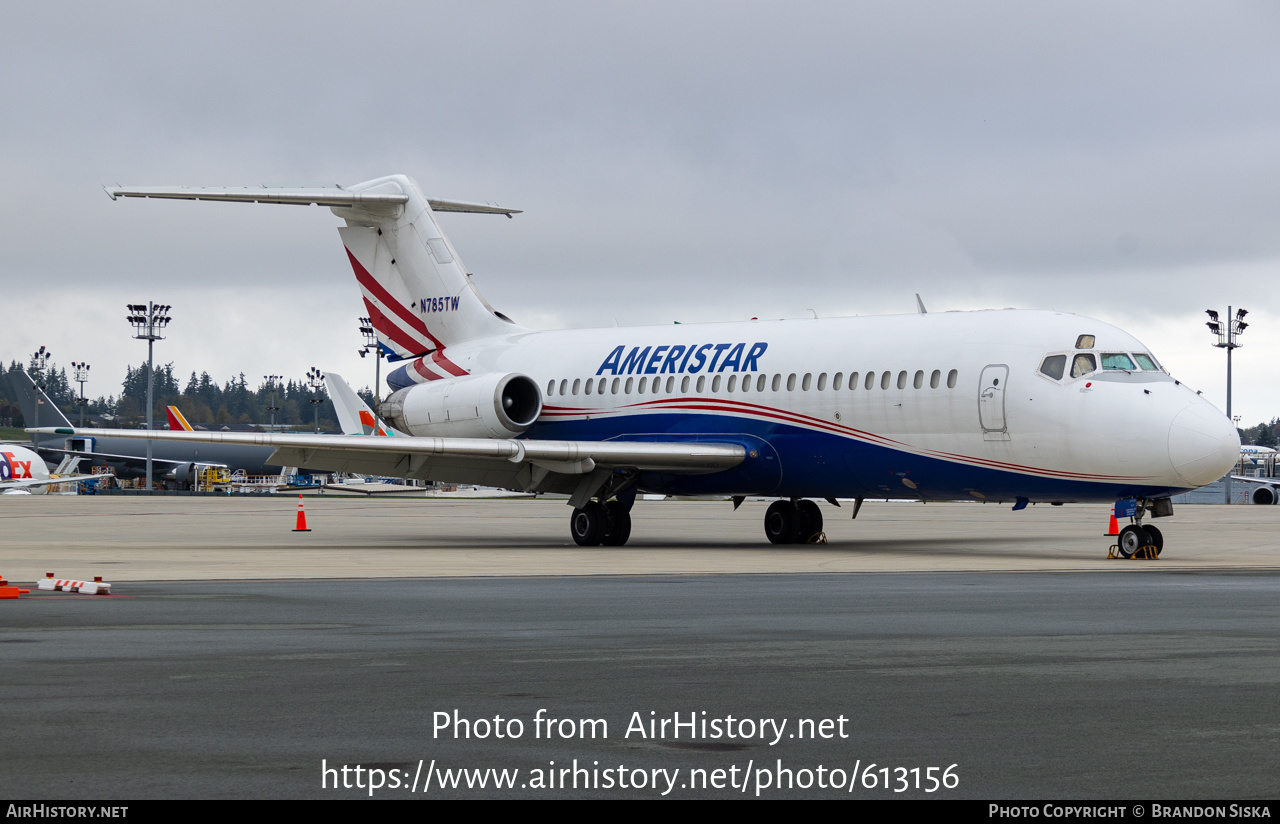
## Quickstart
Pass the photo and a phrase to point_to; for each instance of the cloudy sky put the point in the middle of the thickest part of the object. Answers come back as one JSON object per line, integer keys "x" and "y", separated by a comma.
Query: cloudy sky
{"x": 675, "y": 161}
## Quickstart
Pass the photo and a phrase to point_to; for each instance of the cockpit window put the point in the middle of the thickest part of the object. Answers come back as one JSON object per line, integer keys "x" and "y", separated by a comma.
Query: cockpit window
{"x": 1146, "y": 362}
{"x": 1117, "y": 360}
{"x": 1084, "y": 342}
{"x": 1083, "y": 365}
{"x": 1054, "y": 366}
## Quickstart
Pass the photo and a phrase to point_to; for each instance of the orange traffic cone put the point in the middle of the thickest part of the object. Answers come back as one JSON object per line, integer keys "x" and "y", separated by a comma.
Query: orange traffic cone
{"x": 302, "y": 517}
{"x": 7, "y": 592}
{"x": 1113, "y": 529}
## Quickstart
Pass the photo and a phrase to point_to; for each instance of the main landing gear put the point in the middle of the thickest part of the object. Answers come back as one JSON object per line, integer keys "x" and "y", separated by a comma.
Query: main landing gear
{"x": 598, "y": 524}
{"x": 793, "y": 522}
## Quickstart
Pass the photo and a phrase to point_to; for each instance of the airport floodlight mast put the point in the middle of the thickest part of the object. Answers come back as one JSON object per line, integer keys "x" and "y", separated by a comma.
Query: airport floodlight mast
{"x": 1228, "y": 333}
{"x": 316, "y": 381}
{"x": 271, "y": 381}
{"x": 149, "y": 320}
{"x": 39, "y": 359}
{"x": 371, "y": 345}
{"x": 80, "y": 374}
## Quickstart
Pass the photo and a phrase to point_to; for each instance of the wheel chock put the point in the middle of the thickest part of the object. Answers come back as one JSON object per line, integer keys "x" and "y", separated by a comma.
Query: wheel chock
{"x": 11, "y": 593}
{"x": 819, "y": 538}
{"x": 94, "y": 587}
{"x": 1143, "y": 553}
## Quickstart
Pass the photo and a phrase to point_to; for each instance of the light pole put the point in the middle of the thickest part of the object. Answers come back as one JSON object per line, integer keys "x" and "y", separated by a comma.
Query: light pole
{"x": 149, "y": 320}
{"x": 38, "y": 361}
{"x": 1228, "y": 332}
{"x": 371, "y": 345}
{"x": 316, "y": 381}
{"x": 80, "y": 374}
{"x": 271, "y": 385}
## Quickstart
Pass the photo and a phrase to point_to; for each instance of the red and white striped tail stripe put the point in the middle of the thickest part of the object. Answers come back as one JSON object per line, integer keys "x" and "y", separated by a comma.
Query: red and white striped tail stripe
{"x": 401, "y": 329}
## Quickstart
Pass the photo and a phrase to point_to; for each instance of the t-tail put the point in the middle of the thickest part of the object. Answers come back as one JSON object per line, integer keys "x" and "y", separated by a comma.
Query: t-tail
{"x": 417, "y": 292}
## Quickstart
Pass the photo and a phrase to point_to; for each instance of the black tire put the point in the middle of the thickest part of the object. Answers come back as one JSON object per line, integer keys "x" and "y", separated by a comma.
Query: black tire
{"x": 617, "y": 528}
{"x": 1156, "y": 539}
{"x": 780, "y": 522}
{"x": 1131, "y": 539}
{"x": 808, "y": 521}
{"x": 587, "y": 524}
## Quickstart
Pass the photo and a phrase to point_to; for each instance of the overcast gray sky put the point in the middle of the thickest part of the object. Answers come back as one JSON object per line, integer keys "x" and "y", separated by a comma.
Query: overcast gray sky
{"x": 690, "y": 161}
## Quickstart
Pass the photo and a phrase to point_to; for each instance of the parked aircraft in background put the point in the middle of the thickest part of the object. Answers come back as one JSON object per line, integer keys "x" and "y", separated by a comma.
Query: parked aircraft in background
{"x": 1020, "y": 406}
{"x": 24, "y": 472}
{"x": 175, "y": 462}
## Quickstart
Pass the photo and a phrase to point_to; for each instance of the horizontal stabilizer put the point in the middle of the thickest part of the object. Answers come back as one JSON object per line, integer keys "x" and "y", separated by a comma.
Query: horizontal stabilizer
{"x": 302, "y": 196}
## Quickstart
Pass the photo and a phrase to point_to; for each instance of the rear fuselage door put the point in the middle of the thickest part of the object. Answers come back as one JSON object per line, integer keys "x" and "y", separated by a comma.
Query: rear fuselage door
{"x": 995, "y": 379}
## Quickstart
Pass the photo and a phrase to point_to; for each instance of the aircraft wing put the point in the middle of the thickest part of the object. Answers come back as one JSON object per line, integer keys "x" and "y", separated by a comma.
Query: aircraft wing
{"x": 26, "y": 483}
{"x": 531, "y": 465}
{"x": 108, "y": 457}
{"x": 1249, "y": 479}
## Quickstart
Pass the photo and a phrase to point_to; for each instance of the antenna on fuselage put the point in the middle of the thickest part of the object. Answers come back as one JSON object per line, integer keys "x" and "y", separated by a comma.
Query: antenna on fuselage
{"x": 920, "y": 305}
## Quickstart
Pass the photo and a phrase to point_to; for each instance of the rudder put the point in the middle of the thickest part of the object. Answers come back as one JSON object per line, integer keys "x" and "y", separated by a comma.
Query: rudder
{"x": 418, "y": 294}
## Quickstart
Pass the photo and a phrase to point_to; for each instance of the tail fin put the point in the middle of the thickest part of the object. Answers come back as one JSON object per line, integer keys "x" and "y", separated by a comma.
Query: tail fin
{"x": 418, "y": 294}
{"x": 29, "y": 395}
{"x": 177, "y": 423}
{"x": 416, "y": 290}
{"x": 354, "y": 415}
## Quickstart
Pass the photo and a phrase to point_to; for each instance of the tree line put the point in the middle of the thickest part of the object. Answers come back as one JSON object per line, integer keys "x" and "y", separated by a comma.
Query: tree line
{"x": 202, "y": 400}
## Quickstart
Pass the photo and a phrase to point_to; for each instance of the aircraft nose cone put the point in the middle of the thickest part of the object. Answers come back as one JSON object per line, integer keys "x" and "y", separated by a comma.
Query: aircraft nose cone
{"x": 1203, "y": 444}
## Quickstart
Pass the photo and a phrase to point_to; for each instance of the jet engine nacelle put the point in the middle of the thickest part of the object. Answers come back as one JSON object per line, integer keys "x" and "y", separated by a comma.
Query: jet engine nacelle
{"x": 187, "y": 473}
{"x": 475, "y": 406}
{"x": 1263, "y": 495}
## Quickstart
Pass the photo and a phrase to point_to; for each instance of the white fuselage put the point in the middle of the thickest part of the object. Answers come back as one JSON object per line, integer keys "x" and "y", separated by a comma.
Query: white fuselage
{"x": 927, "y": 405}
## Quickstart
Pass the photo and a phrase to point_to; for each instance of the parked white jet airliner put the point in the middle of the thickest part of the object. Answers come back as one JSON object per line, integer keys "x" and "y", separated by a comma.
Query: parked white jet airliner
{"x": 1022, "y": 406}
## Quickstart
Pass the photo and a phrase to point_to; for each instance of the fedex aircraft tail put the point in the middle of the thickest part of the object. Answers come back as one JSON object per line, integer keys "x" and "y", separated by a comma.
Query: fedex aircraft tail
{"x": 416, "y": 290}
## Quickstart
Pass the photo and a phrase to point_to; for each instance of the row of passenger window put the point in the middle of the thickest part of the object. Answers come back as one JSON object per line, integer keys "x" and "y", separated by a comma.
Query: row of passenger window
{"x": 749, "y": 383}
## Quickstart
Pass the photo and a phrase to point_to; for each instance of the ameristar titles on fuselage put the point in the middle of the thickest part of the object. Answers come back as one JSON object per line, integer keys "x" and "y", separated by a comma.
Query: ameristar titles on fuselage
{"x": 1025, "y": 406}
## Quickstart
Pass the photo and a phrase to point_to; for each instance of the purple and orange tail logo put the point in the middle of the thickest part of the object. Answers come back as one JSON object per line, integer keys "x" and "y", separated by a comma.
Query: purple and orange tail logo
{"x": 370, "y": 425}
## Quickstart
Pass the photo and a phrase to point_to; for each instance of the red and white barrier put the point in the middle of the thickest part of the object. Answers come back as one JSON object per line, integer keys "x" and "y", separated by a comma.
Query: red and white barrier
{"x": 94, "y": 587}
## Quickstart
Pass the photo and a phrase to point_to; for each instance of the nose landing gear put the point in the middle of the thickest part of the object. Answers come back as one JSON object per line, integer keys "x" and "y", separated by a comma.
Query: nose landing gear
{"x": 793, "y": 522}
{"x": 1138, "y": 541}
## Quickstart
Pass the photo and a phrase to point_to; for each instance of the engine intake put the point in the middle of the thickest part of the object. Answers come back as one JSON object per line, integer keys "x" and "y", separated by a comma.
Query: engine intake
{"x": 476, "y": 406}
